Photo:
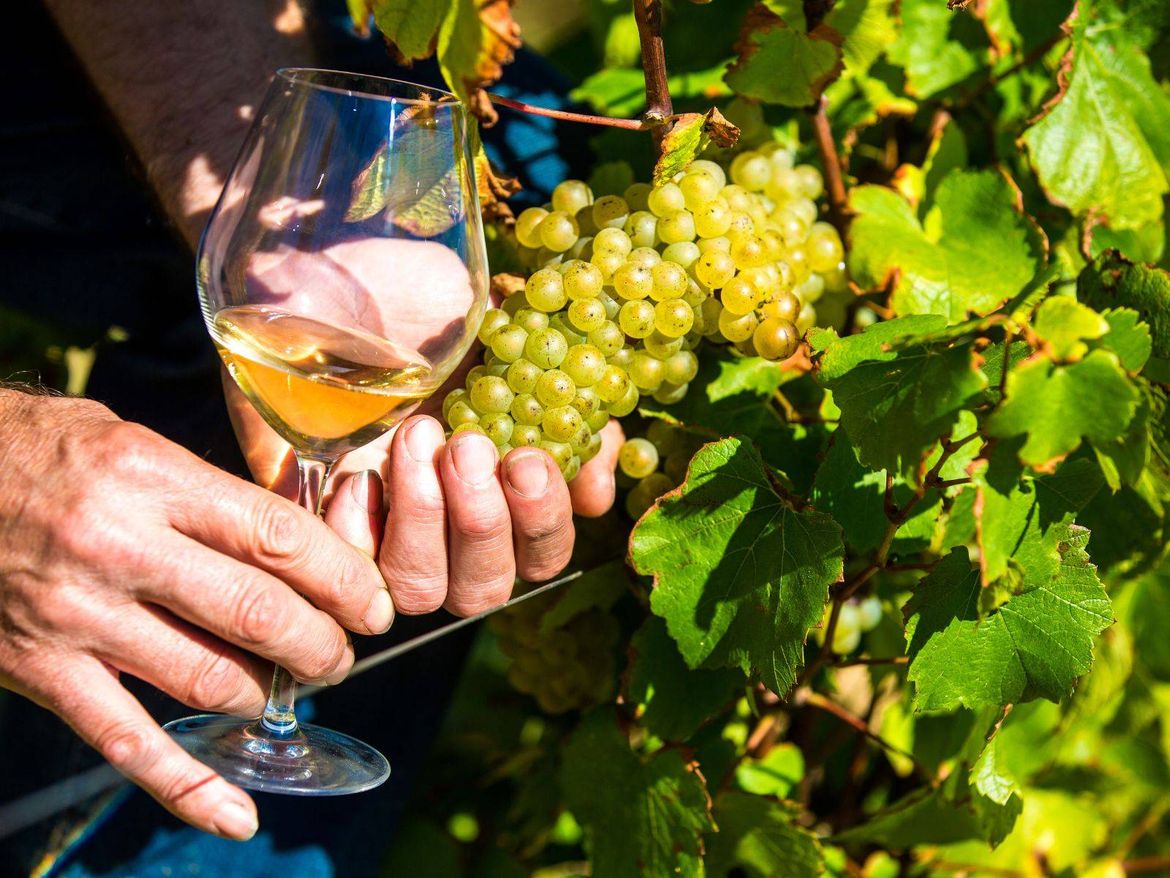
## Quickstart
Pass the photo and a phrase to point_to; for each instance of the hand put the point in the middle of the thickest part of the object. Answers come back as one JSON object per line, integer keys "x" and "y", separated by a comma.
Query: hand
{"x": 122, "y": 553}
{"x": 460, "y": 525}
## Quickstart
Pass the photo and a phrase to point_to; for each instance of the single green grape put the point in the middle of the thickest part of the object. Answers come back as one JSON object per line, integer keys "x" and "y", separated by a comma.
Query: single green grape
{"x": 571, "y": 469}
{"x": 561, "y": 452}
{"x": 811, "y": 289}
{"x": 558, "y": 231}
{"x": 586, "y": 315}
{"x": 676, "y": 227}
{"x": 582, "y": 280}
{"x": 715, "y": 268}
{"x": 610, "y": 212}
{"x": 530, "y": 320}
{"x": 474, "y": 374}
{"x": 812, "y": 184}
{"x": 748, "y": 252}
{"x": 661, "y": 346}
{"x": 612, "y": 240}
{"x": 669, "y": 394}
{"x": 545, "y": 290}
{"x": 665, "y": 436}
{"x": 684, "y": 254}
{"x": 561, "y": 422}
{"x": 491, "y": 394}
{"x": 633, "y": 281}
{"x": 613, "y": 384}
{"x": 522, "y": 376}
{"x": 665, "y": 199}
{"x": 646, "y": 257}
{"x": 824, "y": 247}
{"x": 527, "y": 227}
{"x": 673, "y": 318}
{"x": 459, "y": 394}
{"x": 636, "y": 318}
{"x": 508, "y": 342}
{"x": 626, "y": 404}
{"x": 546, "y": 348}
{"x": 752, "y": 171}
{"x": 776, "y": 339}
{"x": 461, "y": 413}
{"x": 737, "y": 327}
{"x": 636, "y": 195}
{"x": 741, "y": 224}
{"x": 739, "y": 296}
{"x": 642, "y": 227}
{"x": 584, "y": 364}
{"x": 638, "y": 458}
{"x": 598, "y": 420}
{"x": 591, "y": 450}
{"x": 560, "y": 323}
{"x": 783, "y": 306}
{"x": 492, "y": 320}
{"x": 721, "y": 243}
{"x": 709, "y": 167}
{"x": 526, "y": 435}
{"x": 710, "y": 311}
{"x": 869, "y": 612}
{"x": 669, "y": 281}
{"x": 571, "y": 195}
{"x": 797, "y": 260}
{"x": 555, "y": 388}
{"x": 581, "y": 438}
{"x": 681, "y": 367}
{"x": 713, "y": 219}
{"x": 498, "y": 427}
{"x": 847, "y": 634}
{"x": 646, "y": 372}
{"x": 699, "y": 187}
{"x": 586, "y": 229}
{"x": 736, "y": 196}
{"x": 526, "y": 409}
{"x": 587, "y": 402}
{"x": 467, "y": 428}
{"x": 607, "y": 338}
{"x": 607, "y": 262}
{"x": 611, "y": 303}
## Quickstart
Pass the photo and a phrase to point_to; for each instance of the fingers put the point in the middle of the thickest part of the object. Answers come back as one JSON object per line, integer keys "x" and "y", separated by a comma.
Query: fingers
{"x": 355, "y": 511}
{"x": 197, "y": 669}
{"x": 593, "y": 490}
{"x": 413, "y": 557}
{"x": 269, "y": 533}
{"x": 251, "y": 609}
{"x": 110, "y": 720}
{"x": 481, "y": 566}
{"x": 542, "y": 519}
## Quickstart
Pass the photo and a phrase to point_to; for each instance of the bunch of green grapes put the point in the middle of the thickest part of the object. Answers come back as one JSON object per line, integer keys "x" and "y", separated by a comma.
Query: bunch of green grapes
{"x": 653, "y": 464}
{"x": 568, "y": 668}
{"x": 624, "y": 288}
{"x": 857, "y": 617}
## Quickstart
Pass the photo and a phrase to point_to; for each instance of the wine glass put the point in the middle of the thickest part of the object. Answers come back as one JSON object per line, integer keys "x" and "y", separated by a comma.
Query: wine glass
{"x": 342, "y": 277}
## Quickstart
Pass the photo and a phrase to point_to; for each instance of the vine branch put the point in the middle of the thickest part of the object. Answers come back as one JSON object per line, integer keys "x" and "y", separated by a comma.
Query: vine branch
{"x": 566, "y": 116}
{"x": 648, "y": 17}
{"x": 831, "y": 162}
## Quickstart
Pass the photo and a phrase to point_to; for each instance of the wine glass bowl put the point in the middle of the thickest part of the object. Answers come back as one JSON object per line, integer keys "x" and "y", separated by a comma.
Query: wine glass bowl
{"x": 342, "y": 277}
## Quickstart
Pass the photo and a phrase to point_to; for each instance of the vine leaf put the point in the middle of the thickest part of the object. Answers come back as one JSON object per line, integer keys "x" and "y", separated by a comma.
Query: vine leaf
{"x": 740, "y": 575}
{"x": 775, "y": 774}
{"x": 867, "y": 29}
{"x": 1127, "y": 337}
{"x": 779, "y": 62}
{"x": 896, "y": 395}
{"x": 760, "y": 838}
{"x": 1020, "y": 519}
{"x": 1056, "y": 406}
{"x": 1103, "y": 145}
{"x": 1065, "y": 323}
{"x": 1033, "y": 646}
{"x": 942, "y": 266}
{"x": 675, "y": 700}
{"x": 936, "y": 48}
{"x": 1114, "y": 281}
{"x": 646, "y": 817}
{"x": 689, "y": 135}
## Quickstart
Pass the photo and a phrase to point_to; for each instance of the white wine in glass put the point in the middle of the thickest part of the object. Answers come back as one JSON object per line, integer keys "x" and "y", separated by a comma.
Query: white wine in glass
{"x": 342, "y": 277}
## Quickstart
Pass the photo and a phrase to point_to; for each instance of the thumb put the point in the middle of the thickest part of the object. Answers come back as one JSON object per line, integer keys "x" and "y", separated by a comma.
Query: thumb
{"x": 355, "y": 511}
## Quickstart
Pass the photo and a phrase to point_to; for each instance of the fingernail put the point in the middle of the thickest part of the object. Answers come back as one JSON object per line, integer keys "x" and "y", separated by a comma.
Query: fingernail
{"x": 380, "y": 614}
{"x": 527, "y": 474}
{"x": 233, "y": 820}
{"x": 422, "y": 438}
{"x": 366, "y": 490}
{"x": 475, "y": 458}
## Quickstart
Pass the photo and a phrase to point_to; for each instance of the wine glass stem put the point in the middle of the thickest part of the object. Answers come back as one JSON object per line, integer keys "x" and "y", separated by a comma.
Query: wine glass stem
{"x": 279, "y": 714}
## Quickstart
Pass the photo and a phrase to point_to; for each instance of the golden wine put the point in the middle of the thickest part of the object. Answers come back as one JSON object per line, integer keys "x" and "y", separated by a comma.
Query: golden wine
{"x": 326, "y": 390}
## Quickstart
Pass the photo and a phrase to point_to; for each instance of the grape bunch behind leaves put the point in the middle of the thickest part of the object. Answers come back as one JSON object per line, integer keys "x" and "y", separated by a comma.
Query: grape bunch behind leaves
{"x": 625, "y": 289}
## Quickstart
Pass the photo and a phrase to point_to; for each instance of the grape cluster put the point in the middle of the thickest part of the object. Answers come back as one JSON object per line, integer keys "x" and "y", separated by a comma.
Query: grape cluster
{"x": 568, "y": 668}
{"x": 624, "y": 288}
{"x": 857, "y": 617}
{"x": 654, "y": 464}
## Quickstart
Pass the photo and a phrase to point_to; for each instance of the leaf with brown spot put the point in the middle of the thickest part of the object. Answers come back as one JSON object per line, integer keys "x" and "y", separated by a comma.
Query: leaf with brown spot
{"x": 688, "y": 136}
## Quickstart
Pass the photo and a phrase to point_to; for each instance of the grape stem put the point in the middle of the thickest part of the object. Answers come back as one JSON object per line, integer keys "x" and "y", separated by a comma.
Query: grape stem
{"x": 659, "y": 109}
{"x": 566, "y": 116}
{"x": 806, "y": 697}
{"x": 831, "y": 161}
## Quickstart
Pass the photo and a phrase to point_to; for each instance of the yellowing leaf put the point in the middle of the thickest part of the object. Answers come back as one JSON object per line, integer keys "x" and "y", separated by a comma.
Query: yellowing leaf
{"x": 688, "y": 136}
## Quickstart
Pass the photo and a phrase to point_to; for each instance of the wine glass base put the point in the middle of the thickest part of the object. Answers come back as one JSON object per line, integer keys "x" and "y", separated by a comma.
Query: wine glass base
{"x": 312, "y": 761}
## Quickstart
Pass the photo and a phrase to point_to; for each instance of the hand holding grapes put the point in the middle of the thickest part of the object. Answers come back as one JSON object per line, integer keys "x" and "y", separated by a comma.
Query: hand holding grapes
{"x": 462, "y": 519}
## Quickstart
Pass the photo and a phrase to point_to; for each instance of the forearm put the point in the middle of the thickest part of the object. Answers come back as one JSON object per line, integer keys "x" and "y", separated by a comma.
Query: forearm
{"x": 182, "y": 79}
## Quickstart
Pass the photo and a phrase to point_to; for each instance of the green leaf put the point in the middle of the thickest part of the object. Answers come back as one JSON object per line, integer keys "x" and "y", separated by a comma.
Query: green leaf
{"x": 937, "y": 48}
{"x": 942, "y": 266}
{"x": 1020, "y": 519}
{"x": 1127, "y": 337}
{"x": 740, "y": 576}
{"x": 775, "y": 774}
{"x": 1064, "y": 323}
{"x": 1033, "y": 646}
{"x": 689, "y": 135}
{"x": 675, "y": 700}
{"x": 1103, "y": 147}
{"x": 411, "y": 25}
{"x": 759, "y": 838}
{"x": 897, "y": 397}
{"x": 947, "y": 153}
{"x": 931, "y": 816}
{"x": 779, "y": 63}
{"x": 1056, "y": 406}
{"x": 475, "y": 41}
{"x": 867, "y": 28}
{"x": 1124, "y": 460}
{"x": 1113, "y": 281}
{"x": 645, "y": 817}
